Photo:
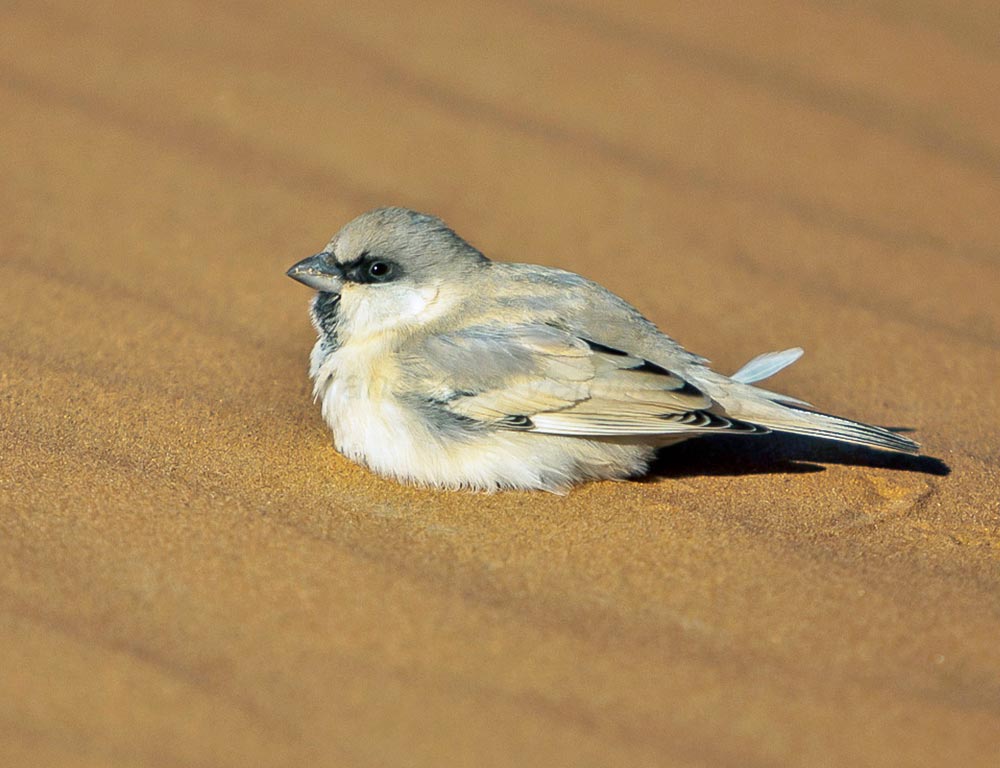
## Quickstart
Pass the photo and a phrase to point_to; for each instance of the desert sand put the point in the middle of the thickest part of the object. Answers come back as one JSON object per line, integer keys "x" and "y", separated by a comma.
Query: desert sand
{"x": 191, "y": 576}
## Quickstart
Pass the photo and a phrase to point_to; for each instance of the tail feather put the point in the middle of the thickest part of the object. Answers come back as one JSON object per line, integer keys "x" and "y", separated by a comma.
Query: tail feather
{"x": 745, "y": 401}
{"x": 766, "y": 365}
{"x": 815, "y": 424}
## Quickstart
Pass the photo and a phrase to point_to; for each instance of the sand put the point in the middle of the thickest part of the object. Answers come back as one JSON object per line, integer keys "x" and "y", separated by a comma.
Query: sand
{"x": 191, "y": 576}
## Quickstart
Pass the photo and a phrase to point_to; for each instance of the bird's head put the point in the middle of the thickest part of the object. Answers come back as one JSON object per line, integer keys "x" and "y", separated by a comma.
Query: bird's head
{"x": 386, "y": 270}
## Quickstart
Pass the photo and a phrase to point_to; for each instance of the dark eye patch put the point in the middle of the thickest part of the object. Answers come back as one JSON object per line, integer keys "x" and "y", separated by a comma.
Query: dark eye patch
{"x": 371, "y": 269}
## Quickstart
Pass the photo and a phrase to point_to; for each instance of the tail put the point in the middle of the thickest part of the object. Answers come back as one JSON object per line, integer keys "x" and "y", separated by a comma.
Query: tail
{"x": 799, "y": 421}
{"x": 786, "y": 414}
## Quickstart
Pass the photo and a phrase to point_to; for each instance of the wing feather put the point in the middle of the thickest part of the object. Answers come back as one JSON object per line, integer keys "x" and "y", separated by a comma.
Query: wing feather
{"x": 546, "y": 379}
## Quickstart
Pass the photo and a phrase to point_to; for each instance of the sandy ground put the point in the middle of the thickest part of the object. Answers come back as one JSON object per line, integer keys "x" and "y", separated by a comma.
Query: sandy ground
{"x": 191, "y": 576}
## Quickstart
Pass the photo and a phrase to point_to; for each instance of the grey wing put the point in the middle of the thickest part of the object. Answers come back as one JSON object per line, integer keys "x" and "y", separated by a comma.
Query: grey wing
{"x": 542, "y": 378}
{"x": 584, "y": 308}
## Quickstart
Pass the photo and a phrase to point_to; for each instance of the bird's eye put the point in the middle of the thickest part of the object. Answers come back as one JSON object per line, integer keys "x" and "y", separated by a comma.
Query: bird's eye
{"x": 379, "y": 270}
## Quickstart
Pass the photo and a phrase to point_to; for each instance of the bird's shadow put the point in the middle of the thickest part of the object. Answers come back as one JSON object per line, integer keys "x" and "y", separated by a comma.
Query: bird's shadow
{"x": 777, "y": 453}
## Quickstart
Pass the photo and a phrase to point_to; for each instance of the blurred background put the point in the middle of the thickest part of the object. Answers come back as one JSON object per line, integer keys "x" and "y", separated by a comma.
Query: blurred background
{"x": 192, "y": 576}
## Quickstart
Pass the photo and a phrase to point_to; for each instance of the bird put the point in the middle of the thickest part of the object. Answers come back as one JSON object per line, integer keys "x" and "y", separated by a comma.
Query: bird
{"x": 438, "y": 367}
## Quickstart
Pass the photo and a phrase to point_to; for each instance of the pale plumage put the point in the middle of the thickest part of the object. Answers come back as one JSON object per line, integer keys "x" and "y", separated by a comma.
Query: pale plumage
{"x": 437, "y": 366}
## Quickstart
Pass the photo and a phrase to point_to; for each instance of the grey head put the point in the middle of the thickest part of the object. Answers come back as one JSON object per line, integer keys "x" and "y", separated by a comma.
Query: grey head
{"x": 388, "y": 269}
{"x": 388, "y": 245}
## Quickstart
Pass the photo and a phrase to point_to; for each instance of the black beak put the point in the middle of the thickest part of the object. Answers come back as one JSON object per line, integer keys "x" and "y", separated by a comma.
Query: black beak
{"x": 320, "y": 272}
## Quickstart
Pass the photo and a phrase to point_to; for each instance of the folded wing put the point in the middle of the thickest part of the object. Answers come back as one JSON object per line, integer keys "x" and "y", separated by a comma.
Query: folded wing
{"x": 546, "y": 379}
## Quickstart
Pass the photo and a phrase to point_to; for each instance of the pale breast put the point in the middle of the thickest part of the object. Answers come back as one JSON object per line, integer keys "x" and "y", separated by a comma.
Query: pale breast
{"x": 368, "y": 422}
